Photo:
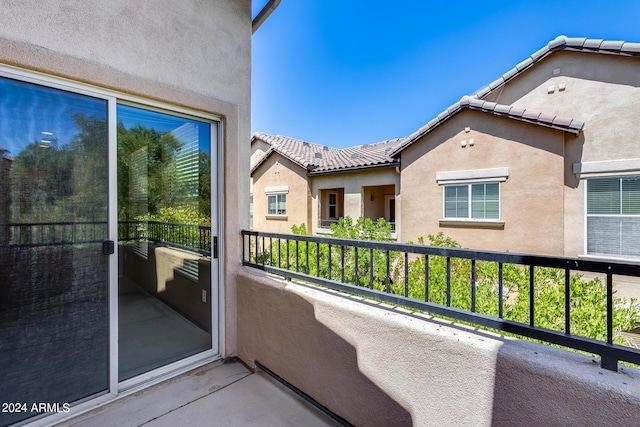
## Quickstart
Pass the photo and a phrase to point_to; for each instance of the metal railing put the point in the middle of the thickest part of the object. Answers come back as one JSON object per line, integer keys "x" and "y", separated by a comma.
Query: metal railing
{"x": 190, "y": 237}
{"x": 465, "y": 285}
{"x": 195, "y": 238}
{"x": 52, "y": 233}
{"x": 326, "y": 224}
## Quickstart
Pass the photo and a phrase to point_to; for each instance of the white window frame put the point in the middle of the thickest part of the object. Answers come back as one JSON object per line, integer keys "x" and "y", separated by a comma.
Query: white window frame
{"x": 469, "y": 216}
{"x": 604, "y": 174}
{"x": 281, "y": 190}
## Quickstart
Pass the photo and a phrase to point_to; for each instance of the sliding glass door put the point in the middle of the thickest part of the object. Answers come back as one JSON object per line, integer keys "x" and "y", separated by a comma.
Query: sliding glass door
{"x": 107, "y": 243}
{"x": 54, "y": 330}
{"x": 164, "y": 216}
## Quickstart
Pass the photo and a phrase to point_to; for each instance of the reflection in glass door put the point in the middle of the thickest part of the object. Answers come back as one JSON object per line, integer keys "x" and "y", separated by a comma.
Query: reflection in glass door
{"x": 164, "y": 227}
{"x": 54, "y": 332}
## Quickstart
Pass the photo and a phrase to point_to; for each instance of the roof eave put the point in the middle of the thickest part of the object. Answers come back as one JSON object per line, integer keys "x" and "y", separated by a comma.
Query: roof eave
{"x": 393, "y": 164}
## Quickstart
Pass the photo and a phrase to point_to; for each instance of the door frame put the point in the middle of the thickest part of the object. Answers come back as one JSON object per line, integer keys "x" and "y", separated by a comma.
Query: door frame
{"x": 116, "y": 389}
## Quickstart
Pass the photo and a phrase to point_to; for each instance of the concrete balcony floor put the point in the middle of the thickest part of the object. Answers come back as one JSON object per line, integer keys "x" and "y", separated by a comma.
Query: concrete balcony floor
{"x": 216, "y": 394}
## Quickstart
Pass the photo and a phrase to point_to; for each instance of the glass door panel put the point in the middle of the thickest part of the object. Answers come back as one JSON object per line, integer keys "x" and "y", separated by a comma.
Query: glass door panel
{"x": 54, "y": 334}
{"x": 164, "y": 227}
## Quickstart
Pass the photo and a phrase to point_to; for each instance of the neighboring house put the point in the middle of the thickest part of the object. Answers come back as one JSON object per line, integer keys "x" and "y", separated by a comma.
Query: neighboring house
{"x": 296, "y": 182}
{"x": 544, "y": 160}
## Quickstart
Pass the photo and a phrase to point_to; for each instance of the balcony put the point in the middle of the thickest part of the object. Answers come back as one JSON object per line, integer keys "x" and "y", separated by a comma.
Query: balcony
{"x": 228, "y": 393}
{"x": 363, "y": 347}
{"x": 362, "y": 344}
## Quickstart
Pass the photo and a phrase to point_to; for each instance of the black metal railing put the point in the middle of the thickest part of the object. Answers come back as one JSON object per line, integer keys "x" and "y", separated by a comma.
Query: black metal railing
{"x": 467, "y": 285}
{"x": 191, "y": 237}
{"x": 52, "y": 233}
{"x": 185, "y": 236}
{"x": 326, "y": 224}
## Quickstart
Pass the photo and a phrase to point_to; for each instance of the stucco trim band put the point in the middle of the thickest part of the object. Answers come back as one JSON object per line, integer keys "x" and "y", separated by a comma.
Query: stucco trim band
{"x": 494, "y": 174}
{"x": 606, "y": 168}
{"x": 280, "y": 189}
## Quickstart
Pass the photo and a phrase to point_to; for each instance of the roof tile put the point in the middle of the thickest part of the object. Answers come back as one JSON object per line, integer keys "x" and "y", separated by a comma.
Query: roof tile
{"x": 540, "y": 53}
{"x": 558, "y": 42}
{"x": 502, "y": 109}
{"x": 546, "y": 118}
{"x": 530, "y": 115}
{"x": 483, "y": 91}
{"x": 512, "y": 72}
{"x": 516, "y": 112}
{"x": 561, "y": 121}
{"x": 592, "y": 43}
{"x": 524, "y": 64}
{"x": 612, "y": 45}
{"x": 576, "y": 41}
{"x": 496, "y": 83}
{"x": 576, "y": 124}
{"x": 631, "y": 47}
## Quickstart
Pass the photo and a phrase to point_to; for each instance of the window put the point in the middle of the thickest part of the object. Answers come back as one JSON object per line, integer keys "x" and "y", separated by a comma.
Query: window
{"x": 277, "y": 204}
{"x": 472, "y": 201}
{"x": 333, "y": 206}
{"x": 613, "y": 216}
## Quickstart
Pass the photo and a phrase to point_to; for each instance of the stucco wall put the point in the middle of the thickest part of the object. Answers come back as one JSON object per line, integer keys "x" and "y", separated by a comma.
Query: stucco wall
{"x": 375, "y": 366}
{"x": 601, "y": 90}
{"x": 191, "y": 53}
{"x": 278, "y": 171}
{"x": 531, "y": 198}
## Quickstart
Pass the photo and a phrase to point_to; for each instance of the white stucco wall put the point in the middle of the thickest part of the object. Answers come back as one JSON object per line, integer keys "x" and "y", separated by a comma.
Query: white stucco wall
{"x": 191, "y": 53}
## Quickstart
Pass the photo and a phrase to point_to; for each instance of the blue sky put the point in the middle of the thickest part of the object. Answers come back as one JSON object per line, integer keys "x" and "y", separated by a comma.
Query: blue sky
{"x": 348, "y": 72}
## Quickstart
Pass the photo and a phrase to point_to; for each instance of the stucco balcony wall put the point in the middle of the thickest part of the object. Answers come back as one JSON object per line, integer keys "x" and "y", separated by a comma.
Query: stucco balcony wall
{"x": 375, "y": 365}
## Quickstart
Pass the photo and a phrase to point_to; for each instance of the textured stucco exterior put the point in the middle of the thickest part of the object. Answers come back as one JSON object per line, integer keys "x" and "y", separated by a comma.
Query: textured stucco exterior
{"x": 531, "y": 197}
{"x": 278, "y": 171}
{"x": 194, "y": 54}
{"x": 377, "y": 366}
{"x": 601, "y": 90}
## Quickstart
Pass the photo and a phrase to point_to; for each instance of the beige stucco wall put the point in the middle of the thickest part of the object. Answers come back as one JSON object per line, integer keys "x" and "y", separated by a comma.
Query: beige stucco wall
{"x": 601, "y": 90}
{"x": 375, "y": 366}
{"x": 352, "y": 183}
{"x": 531, "y": 198}
{"x": 191, "y": 53}
{"x": 279, "y": 171}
